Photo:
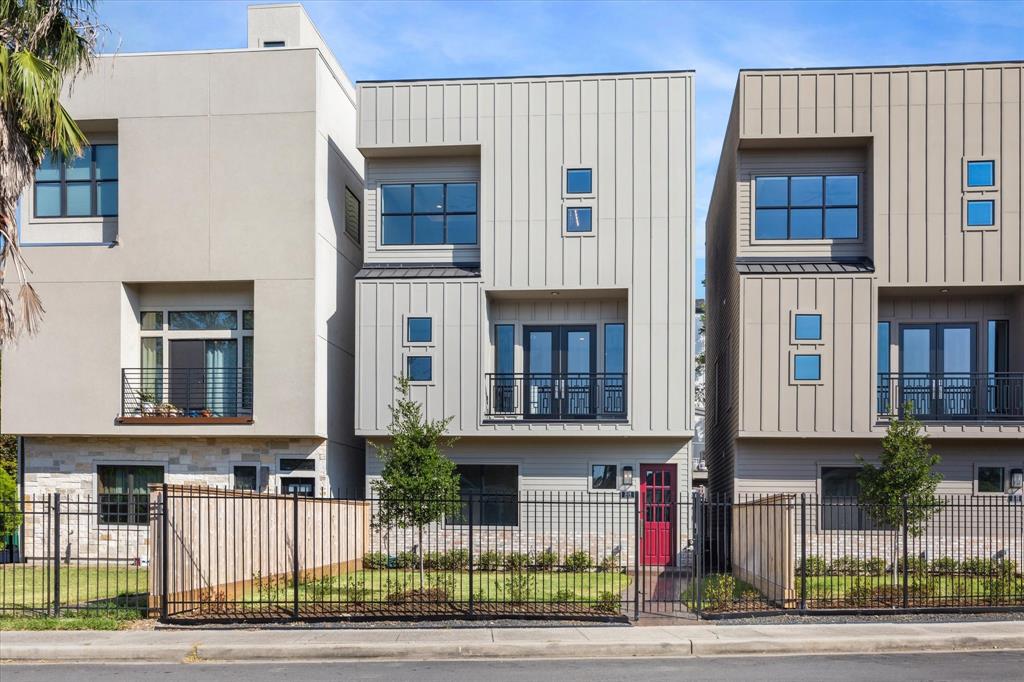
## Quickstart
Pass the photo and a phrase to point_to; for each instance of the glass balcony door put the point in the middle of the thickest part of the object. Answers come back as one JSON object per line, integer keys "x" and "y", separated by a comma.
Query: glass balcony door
{"x": 560, "y": 362}
{"x": 937, "y": 367}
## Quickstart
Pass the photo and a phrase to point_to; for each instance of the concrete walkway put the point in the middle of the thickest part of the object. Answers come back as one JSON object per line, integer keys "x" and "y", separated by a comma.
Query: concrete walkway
{"x": 224, "y": 645}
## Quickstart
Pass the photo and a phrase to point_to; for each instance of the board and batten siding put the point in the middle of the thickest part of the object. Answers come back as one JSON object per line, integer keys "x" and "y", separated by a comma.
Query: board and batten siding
{"x": 922, "y": 122}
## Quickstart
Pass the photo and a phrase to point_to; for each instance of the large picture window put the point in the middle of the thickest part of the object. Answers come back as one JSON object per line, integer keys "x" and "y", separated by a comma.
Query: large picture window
{"x": 492, "y": 491}
{"x": 123, "y": 493}
{"x": 840, "y": 509}
{"x": 85, "y": 186}
{"x": 807, "y": 207}
{"x": 429, "y": 213}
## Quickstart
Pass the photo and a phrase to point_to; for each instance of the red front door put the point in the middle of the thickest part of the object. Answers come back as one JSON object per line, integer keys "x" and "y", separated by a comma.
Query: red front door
{"x": 658, "y": 493}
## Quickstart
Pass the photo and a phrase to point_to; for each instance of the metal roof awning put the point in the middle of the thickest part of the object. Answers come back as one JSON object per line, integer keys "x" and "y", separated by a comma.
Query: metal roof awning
{"x": 418, "y": 271}
{"x": 752, "y": 265}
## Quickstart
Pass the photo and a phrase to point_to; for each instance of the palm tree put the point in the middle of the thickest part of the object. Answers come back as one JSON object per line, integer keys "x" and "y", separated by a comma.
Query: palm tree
{"x": 42, "y": 44}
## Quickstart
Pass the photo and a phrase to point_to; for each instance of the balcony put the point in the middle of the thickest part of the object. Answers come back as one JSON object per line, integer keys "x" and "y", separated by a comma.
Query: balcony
{"x": 976, "y": 396}
{"x": 556, "y": 397}
{"x": 186, "y": 396}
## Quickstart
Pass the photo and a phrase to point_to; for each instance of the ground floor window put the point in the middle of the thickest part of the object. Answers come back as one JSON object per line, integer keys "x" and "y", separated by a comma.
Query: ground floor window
{"x": 840, "y": 507}
{"x": 123, "y": 492}
{"x": 991, "y": 479}
{"x": 490, "y": 492}
{"x": 304, "y": 487}
{"x": 603, "y": 476}
{"x": 246, "y": 477}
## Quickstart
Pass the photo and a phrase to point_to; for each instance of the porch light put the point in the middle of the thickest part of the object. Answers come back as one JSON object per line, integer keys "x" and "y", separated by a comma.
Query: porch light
{"x": 627, "y": 476}
{"x": 1017, "y": 478}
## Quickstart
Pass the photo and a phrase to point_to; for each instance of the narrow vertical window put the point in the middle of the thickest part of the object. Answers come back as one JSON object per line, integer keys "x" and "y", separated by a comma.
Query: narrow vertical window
{"x": 884, "y": 388}
{"x": 504, "y": 368}
{"x": 998, "y": 346}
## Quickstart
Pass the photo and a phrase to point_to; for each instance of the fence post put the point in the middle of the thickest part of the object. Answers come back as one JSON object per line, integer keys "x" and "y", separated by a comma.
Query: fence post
{"x": 637, "y": 568}
{"x": 295, "y": 554}
{"x": 164, "y": 544}
{"x": 56, "y": 554}
{"x": 698, "y": 563}
{"x": 906, "y": 554}
{"x": 471, "y": 604}
{"x": 803, "y": 552}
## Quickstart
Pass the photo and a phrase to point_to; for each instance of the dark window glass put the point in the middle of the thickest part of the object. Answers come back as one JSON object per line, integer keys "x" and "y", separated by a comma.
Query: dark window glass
{"x": 304, "y": 487}
{"x": 429, "y": 213}
{"x": 290, "y": 464}
{"x": 419, "y": 330}
{"x": 246, "y": 477}
{"x": 353, "y": 214}
{"x": 202, "y": 319}
{"x": 492, "y": 490}
{"x": 504, "y": 348}
{"x": 247, "y": 368}
{"x": 615, "y": 348}
{"x": 981, "y": 213}
{"x": 248, "y": 319}
{"x": 152, "y": 320}
{"x": 579, "y": 181}
{"x": 981, "y": 173}
{"x": 807, "y": 367}
{"x": 123, "y": 493}
{"x": 420, "y": 368}
{"x": 273, "y": 43}
{"x": 840, "y": 509}
{"x": 604, "y": 476}
{"x": 883, "y": 347}
{"x": 998, "y": 345}
{"x": 820, "y": 207}
{"x": 83, "y": 186}
{"x": 578, "y": 219}
{"x": 884, "y": 380}
{"x": 807, "y": 327}
{"x": 990, "y": 479}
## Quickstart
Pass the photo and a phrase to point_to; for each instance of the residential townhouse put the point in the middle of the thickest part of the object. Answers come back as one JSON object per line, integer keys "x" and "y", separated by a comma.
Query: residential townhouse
{"x": 196, "y": 265}
{"x": 528, "y": 253}
{"x": 865, "y": 252}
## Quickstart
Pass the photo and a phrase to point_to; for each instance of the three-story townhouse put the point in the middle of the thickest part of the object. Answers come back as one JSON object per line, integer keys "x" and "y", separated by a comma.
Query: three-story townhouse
{"x": 196, "y": 265}
{"x": 865, "y": 257}
{"x": 528, "y": 250}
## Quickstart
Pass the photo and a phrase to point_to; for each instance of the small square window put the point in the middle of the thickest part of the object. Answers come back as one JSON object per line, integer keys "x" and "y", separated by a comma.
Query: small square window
{"x": 604, "y": 476}
{"x": 579, "y": 219}
{"x": 807, "y": 327}
{"x": 419, "y": 368}
{"x": 246, "y": 477}
{"x": 981, "y": 173}
{"x": 981, "y": 213}
{"x": 419, "y": 330}
{"x": 991, "y": 479}
{"x": 579, "y": 181}
{"x": 807, "y": 367}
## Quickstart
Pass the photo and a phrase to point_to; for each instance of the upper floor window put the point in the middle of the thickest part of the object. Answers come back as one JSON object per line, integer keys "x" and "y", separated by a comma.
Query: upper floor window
{"x": 430, "y": 213}
{"x": 807, "y": 327}
{"x": 981, "y": 213}
{"x": 579, "y": 219}
{"x": 419, "y": 330}
{"x": 85, "y": 186}
{"x": 981, "y": 173}
{"x": 807, "y": 207}
{"x": 807, "y": 367}
{"x": 352, "y": 214}
{"x": 579, "y": 181}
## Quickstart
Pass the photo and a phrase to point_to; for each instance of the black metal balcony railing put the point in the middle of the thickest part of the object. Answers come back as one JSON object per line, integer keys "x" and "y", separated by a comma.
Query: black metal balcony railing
{"x": 186, "y": 393}
{"x": 556, "y": 397}
{"x": 953, "y": 397}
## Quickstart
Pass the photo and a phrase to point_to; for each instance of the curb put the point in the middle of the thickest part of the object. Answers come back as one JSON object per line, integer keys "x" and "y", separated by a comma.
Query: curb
{"x": 710, "y": 647}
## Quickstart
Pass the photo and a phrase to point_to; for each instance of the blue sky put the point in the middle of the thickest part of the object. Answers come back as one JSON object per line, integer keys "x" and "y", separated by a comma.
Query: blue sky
{"x": 377, "y": 40}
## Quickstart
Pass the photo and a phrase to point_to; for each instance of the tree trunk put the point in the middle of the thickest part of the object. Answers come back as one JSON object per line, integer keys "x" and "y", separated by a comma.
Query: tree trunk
{"x": 420, "y": 530}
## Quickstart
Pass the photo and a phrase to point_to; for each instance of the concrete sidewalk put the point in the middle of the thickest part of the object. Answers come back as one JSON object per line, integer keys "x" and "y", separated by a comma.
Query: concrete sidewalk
{"x": 217, "y": 645}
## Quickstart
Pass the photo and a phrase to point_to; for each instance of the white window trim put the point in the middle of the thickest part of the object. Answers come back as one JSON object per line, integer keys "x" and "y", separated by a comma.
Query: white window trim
{"x": 793, "y": 381}
{"x": 565, "y": 181}
{"x": 861, "y": 213}
{"x": 994, "y": 158}
{"x": 792, "y": 328}
{"x": 447, "y": 248}
{"x": 582, "y": 203}
{"x": 419, "y": 344}
{"x": 433, "y": 368}
{"x": 989, "y": 195}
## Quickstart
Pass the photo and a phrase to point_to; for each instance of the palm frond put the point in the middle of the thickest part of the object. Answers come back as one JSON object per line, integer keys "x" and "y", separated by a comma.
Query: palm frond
{"x": 31, "y": 309}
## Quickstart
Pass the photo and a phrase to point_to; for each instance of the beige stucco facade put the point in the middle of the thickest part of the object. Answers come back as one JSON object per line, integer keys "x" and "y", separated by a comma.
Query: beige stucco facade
{"x": 906, "y": 134}
{"x": 232, "y": 172}
{"x": 515, "y": 139}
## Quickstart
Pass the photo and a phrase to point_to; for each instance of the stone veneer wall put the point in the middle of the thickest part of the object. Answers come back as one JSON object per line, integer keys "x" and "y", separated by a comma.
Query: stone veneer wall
{"x": 68, "y": 466}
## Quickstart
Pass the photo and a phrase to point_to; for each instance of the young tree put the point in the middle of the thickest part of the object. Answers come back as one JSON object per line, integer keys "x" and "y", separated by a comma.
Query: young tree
{"x": 42, "y": 43}
{"x": 418, "y": 484}
{"x": 10, "y": 508}
{"x": 905, "y": 473}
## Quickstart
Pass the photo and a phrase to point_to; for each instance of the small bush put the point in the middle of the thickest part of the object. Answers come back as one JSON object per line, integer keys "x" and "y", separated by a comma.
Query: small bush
{"x": 441, "y": 583}
{"x": 946, "y": 565}
{"x": 489, "y": 561}
{"x": 847, "y": 565}
{"x": 355, "y": 590}
{"x": 859, "y": 593}
{"x": 407, "y": 559}
{"x": 749, "y": 596}
{"x": 546, "y": 560}
{"x": 608, "y": 602}
{"x": 517, "y": 561}
{"x": 915, "y": 566}
{"x": 923, "y": 587}
{"x": 564, "y": 596}
{"x": 816, "y": 565}
{"x": 375, "y": 560}
{"x": 875, "y": 566}
{"x": 1003, "y": 589}
{"x": 519, "y": 587}
{"x": 432, "y": 561}
{"x": 578, "y": 562}
{"x": 609, "y": 564}
{"x": 452, "y": 560}
{"x": 717, "y": 591}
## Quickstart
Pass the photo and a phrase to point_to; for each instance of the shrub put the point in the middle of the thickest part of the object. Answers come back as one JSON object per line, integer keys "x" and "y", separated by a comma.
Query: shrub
{"x": 609, "y": 564}
{"x": 355, "y": 590}
{"x": 407, "y": 559}
{"x": 859, "y": 593}
{"x": 452, "y": 560}
{"x": 875, "y": 566}
{"x": 517, "y": 561}
{"x": 489, "y": 561}
{"x": 749, "y": 596}
{"x": 563, "y": 596}
{"x": 519, "y": 587}
{"x": 915, "y": 566}
{"x": 578, "y": 562}
{"x": 608, "y": 602}
{"x": 546, "y": 560}
{"x": 717, "y": 591}
{"x": 946, "y": 565}
{"x": 10, "y": 510}
{"x": 441, "y": 584}
{"x": 984, "y": 567}
{"x": 1003, "y": 589}
{"x": 816, "y": 565}
{"x": 375, "y": 560}
{"x": 923, "y": 587}
{"x": 432, "y": 560}
{"x": 846, "y": 565}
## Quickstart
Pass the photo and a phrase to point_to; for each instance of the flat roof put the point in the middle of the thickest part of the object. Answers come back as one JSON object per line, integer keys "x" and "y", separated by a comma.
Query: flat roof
{"x": 526, "y": 77}
{"x": 882, "y": 66}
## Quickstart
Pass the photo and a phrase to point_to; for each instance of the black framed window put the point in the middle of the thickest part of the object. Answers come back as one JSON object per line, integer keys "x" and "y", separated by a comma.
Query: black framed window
{"x": 202, "y": 320}
{"x": 429, "y": 213}
{"x": 419, "y": 330}
{"x": 247, "y": 477}
{"x": 840, "y": 508}
{"x": 604, "y": 476}
{"x": 981, "y": 173}
{"x": 579, "y": 219}
{"x": 353, "y": 214}
{"x": 981, "y": 213}
{"x": 579, "y": 181}
{"x": 807, "y": 207}
{"x": 807, "y": 327}
{"x": 123, "y": 493}
{"x": 85, "y": 186}
{"x": 991, "y": 479}
{"x": 492, "y": 490}
{"x": 419, "y": 368}
{"x": 303, "y": 486}
{"x": 287, "y": 465}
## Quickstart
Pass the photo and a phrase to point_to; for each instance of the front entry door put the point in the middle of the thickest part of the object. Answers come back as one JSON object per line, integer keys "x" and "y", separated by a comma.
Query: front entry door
{"x": 658, "y": 494}
{"x": 936, "y": 365}
{"x": 560, "y": 362}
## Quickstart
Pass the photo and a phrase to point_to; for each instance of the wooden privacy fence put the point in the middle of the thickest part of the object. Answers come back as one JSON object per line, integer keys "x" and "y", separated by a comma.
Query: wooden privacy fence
{"x": 224, "y": 547}
{"x": 763, "y": 546}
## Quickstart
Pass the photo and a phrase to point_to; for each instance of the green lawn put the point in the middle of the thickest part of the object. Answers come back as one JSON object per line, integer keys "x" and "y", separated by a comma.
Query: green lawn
{"x": 75, "y": 620}
{"x": 931, "y": 586}
{"x": 498, "y": 586}
{"x": 27, "y": 586}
